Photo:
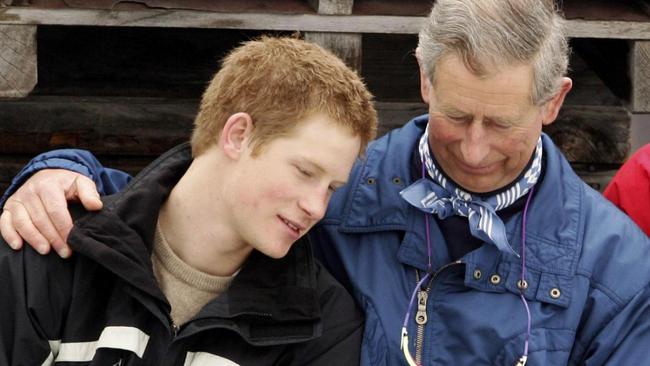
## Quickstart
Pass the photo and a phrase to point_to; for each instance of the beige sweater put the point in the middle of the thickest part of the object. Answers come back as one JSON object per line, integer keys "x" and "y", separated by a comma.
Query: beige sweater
{"x": 186, "y": 288}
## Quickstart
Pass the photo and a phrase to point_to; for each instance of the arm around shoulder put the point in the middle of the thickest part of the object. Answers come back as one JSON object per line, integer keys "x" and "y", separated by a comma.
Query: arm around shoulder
{"x": 108, "y": 181}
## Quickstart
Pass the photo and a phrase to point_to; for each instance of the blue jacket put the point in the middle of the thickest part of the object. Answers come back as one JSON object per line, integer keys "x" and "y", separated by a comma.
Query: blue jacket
{"x": 587, "y": 270}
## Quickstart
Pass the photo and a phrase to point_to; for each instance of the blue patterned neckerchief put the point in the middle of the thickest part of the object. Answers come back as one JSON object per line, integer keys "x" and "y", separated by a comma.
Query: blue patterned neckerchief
{"x": 442, "y": 197}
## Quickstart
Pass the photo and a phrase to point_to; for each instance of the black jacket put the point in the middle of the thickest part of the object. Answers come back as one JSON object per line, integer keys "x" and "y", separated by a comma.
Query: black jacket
{"x": 104, "y": 306}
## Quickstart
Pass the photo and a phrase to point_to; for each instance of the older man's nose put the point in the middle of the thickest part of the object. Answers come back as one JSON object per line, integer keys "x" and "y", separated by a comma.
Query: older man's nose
{"x": 474, "y": 147}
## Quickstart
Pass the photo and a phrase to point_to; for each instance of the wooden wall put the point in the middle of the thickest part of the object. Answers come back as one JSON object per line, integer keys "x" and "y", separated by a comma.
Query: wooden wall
{"x": 129, "y": 94}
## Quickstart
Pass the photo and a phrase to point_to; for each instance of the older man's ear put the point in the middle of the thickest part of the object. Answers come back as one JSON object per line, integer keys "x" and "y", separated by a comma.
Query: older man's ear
{"x": 552, "y": 107}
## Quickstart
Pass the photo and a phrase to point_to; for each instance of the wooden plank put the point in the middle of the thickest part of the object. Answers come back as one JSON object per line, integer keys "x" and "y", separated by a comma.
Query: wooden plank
{"x": 341, "y": 7}
{"x": 640, "y": 76}
{"x": 116, "y": 126}
{"x": 130, "y": 132}
{"x": 281, "y": 22}
{"x": 347, "y": 46}
{"x": 149, "y": 126}
{"x": 592, "y": 134}
{"x": 103, "y": 61}
{"x": 18, "y": 72}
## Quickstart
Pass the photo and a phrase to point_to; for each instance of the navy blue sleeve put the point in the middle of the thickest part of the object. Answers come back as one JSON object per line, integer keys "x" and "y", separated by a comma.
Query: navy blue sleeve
{"x": 108, "y": 180}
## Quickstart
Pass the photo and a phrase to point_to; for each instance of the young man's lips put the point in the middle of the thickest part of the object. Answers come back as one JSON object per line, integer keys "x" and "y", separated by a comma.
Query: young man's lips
{"x": 292, "y": 225}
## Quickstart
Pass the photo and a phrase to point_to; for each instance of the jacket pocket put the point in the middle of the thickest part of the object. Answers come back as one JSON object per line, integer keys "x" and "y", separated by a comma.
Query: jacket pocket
{"x": 546, "y": 347}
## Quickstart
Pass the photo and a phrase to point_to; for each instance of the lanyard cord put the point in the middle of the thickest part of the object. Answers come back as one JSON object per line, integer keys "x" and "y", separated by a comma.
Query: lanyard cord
{"x": 524, "y": 357}
{"x": 404, "y": 344}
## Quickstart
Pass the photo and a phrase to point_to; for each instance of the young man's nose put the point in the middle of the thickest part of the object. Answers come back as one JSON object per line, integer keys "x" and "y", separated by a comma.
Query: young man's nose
{"x": 315, "y": 203}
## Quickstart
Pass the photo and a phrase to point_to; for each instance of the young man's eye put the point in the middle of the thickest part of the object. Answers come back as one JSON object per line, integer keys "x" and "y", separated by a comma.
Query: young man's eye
{"x": 304, "y": 172}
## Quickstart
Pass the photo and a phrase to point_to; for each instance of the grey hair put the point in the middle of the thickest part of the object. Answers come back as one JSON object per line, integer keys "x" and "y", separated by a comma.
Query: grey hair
{"x": 488, "y": 34}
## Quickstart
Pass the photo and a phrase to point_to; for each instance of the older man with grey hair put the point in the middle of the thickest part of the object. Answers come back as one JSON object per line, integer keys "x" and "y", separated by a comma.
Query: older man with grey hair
{"x": 464, "y": 235}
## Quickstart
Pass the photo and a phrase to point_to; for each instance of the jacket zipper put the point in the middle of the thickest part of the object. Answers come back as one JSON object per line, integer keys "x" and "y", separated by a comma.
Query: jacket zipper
{"x": 421, "y": 317}
{"x": 175, "y": 328}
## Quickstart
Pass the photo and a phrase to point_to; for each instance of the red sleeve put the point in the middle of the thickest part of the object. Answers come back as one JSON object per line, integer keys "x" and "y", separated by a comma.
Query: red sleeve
{"x": 630, "y": 188}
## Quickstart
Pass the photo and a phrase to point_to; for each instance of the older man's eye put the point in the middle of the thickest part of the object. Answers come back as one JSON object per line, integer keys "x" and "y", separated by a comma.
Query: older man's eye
{"x": 501, "y": 125}
{"x": 457, "y": 119}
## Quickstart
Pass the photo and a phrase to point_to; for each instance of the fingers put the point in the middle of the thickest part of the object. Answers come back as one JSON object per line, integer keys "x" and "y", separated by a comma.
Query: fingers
{"x": 54, "y": 220}
{"x": 38, "y": 211}
{"x": 84, "y": 189}
{"x": 9, "y": 234}
{"x": 21, "y": 220}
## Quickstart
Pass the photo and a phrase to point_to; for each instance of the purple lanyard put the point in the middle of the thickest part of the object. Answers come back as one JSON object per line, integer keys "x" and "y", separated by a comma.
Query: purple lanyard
{"x": 404, "y": 344}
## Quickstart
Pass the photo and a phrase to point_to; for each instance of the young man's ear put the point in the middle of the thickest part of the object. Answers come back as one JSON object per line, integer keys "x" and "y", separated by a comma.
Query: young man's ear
{"x": 236, "y": 133}
{"x": 551, "y": 108}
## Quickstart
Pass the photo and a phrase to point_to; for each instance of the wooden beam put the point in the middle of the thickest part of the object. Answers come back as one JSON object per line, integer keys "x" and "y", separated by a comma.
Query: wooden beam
{"x": 342, "y": 7}
{"x": 640, "y": 76}
{"x": 281, "y": 22}
{"x": 18, "y": 72}
{"x": 347, "y": 46}
{"x": 150, "y": 126}
{"x": 115, "y": 126}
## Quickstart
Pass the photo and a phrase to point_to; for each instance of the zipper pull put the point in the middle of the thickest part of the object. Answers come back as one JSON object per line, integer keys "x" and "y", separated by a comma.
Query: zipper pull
{"x": 404, "y": 346}
{"x": 522, "y": 361}
{"x": 421, "y": 315}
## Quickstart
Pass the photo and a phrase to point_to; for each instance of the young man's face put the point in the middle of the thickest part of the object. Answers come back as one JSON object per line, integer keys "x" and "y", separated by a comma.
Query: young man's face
{"x": 284, "y": 190}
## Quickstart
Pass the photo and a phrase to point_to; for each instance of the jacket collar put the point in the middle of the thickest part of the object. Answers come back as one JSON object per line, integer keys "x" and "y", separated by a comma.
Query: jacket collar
{"x": 553, "y": 220}
{"x": 265, "y": 293}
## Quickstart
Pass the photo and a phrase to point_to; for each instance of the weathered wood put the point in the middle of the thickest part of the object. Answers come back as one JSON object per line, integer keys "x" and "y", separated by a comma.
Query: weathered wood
{"x": 341, "y": 7}
{"x": 139, "y": 62}
{"x": 18, "y": 72}
{"x": 592, "y": 134}
{"x": 282, "y": 22}
{"x": 347, "y": 46}
{"x": 128, "y": 133}
{"x": 116, "y": 126}
{"x": 640, "y": 76}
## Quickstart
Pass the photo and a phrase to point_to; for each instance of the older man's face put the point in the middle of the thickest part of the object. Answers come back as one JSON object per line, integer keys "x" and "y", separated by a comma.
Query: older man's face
{"x": 482, "y": 131}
